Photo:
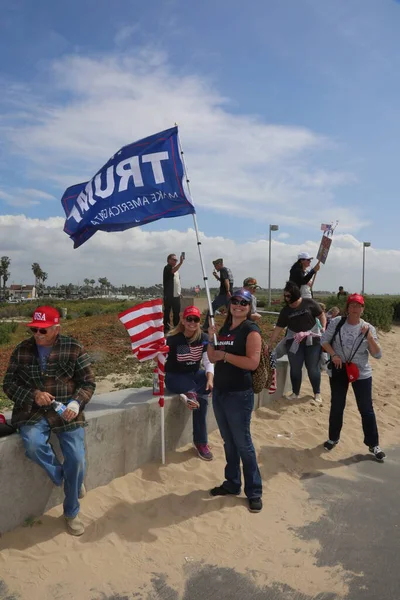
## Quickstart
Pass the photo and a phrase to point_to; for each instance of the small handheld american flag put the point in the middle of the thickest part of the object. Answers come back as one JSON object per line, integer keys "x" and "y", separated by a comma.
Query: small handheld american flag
{"x": 144, "y": 324}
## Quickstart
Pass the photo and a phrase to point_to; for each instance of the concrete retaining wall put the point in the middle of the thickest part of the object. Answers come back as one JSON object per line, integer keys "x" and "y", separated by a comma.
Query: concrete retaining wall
{"x": 123, "y": 434}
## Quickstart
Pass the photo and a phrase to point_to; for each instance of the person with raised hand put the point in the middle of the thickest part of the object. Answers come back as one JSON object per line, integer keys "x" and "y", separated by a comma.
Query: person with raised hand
{"x": 301, "y": 274}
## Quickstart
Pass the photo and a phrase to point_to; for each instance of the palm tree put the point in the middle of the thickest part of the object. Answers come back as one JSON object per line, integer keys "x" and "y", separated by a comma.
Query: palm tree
{"x": 43, "y": 278}
{"x": 37, "y": 271}
{"x": 4, "y": 272}
{"x": 86, "y": 282}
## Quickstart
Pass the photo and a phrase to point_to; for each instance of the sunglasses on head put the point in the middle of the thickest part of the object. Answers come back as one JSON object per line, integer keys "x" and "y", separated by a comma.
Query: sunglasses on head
{"x": 193, "y": 319}
{"x": 38, "y": 330}
{"x": 238, "y": 301}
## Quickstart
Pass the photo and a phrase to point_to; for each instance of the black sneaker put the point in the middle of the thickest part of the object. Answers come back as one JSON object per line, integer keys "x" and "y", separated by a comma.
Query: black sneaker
{"x": 378, "y": 453}
{"x": 329, "y": 445}
{"x": 220, "y": 490}
{"x": 255, "y": 505}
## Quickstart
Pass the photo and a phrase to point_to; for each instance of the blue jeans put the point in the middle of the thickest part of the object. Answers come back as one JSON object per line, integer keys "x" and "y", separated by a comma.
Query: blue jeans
{"x": 220, "y": 300}
{"x": 233, "y": 414}
{"x": 38, "y": 449}
{"x": 180, "y": 383}
{"x": 362, "y": 389}
{"x": 311, "y": 356}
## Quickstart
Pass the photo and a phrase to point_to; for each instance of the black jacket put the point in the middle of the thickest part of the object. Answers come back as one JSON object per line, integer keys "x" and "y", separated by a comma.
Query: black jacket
{"x": 297, "y": 274}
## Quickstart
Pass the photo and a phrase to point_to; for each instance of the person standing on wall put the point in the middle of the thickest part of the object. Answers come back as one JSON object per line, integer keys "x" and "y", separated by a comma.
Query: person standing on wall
{"x": 172, "y": 290}
{"x": 225, "y": 278}
{"x": 301, "y": 274}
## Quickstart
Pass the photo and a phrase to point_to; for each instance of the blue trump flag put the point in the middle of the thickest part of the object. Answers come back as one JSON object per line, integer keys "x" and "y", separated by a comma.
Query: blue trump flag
{"x": 141, "y": 183}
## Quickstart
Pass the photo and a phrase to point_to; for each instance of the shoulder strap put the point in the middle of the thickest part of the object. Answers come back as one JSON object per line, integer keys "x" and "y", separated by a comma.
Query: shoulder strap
{"x": 338, "y": 328}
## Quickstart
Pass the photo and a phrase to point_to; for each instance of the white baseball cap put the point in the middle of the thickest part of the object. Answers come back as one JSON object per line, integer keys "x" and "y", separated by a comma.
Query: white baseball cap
{"x": 304, "y": 256}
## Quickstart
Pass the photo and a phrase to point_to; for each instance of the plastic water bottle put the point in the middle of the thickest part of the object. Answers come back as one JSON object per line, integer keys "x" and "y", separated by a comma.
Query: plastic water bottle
{"x": 156, "y": 383}
{"x": 59, "y": 407}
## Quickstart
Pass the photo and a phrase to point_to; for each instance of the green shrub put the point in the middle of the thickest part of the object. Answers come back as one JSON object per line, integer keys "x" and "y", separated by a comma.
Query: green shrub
{"x": 379, "y": 312}
{"x": 6, "y": 329}
{"x": 396, "y": 309}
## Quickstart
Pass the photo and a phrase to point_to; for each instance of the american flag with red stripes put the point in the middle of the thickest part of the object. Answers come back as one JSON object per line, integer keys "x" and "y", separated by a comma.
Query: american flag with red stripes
{"x": 188, "y": 353}
{"x": 144, "y": 324}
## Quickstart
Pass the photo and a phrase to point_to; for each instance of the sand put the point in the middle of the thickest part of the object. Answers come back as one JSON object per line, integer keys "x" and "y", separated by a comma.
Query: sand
{"x": 147, "y": 531}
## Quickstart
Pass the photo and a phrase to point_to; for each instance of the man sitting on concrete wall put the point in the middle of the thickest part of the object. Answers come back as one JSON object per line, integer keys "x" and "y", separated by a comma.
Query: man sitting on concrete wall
{"x": 50, "y": 380}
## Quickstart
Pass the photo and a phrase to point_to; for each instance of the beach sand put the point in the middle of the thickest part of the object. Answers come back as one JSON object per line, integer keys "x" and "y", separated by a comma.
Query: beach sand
{"x": 150, "y": 531}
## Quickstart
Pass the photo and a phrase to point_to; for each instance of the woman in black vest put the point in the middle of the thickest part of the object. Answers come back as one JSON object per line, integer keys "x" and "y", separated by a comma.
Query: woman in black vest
{"x": 238, "y": 354}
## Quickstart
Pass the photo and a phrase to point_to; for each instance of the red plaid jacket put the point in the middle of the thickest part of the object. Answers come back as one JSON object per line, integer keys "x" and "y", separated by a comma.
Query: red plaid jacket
{"x": 68, "y": 375}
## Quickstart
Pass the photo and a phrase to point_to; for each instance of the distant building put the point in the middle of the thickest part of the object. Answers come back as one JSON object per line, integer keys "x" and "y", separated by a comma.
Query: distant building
{"x": 22, "y": 292}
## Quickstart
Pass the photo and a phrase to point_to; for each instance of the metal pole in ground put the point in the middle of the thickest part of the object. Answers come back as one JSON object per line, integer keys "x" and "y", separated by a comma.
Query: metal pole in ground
{"x": 271, "y": 228}
{"x": 365, "y": 245}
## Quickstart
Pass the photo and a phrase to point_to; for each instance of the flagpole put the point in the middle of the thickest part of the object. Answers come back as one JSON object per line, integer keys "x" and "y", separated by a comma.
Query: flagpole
{"x": 203, "y": 268}
{"x": 161, "y": 402}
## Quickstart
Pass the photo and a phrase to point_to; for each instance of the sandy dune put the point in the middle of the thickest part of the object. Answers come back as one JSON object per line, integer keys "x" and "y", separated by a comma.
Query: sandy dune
{"x": 146, "y": 531}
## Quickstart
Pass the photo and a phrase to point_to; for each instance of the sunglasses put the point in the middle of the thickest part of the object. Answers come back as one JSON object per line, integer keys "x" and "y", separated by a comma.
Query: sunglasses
{"x": 237, "y": 302}
{"x": 193, "y": 319}
{"x": 38, "y": 330}
{"x": 287, "y": 296}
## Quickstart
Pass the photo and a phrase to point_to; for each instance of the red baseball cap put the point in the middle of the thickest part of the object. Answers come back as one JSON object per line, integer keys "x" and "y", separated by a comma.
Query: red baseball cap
{"x": 45, "y": 316}
{"x": 191, "y": 310}
{"x": 356, "y": 298}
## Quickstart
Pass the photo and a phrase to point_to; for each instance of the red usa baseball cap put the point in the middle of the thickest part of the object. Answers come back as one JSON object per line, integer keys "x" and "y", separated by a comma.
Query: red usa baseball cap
{"x": 45, "y": 316}
{"x": 356, "y": 298}
{"x": 191, "y": 311}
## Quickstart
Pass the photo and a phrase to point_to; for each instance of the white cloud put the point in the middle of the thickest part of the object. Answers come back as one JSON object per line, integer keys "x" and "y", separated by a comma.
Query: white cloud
{"x": 236, "y": 162}
{"x": 137, "y": 256}
{"x": 282, "y": 236}
{"x": 40, "y": 194}
{"x": 18, "y": 198}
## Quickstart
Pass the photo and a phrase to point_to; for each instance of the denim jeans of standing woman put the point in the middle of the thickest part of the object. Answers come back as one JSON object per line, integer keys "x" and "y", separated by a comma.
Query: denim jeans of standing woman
{"x": 310, "y": 356}
{"x": 233, "y": 412}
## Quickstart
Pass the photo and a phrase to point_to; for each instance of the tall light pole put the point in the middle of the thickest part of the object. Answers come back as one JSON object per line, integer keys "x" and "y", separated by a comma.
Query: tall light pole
{"x": 271, "y": 228}
{"x": 365, "y": 245}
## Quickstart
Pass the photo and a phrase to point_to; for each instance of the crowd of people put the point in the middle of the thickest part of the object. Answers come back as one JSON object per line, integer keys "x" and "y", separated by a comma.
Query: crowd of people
{"x": 305, "y": 331}
{"x": 50, "y": 378}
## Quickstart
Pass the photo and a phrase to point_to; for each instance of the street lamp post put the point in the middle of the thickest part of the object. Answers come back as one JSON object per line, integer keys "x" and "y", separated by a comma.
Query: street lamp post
{"x": 271, "y": 228}
{"x": 365, "y": 245}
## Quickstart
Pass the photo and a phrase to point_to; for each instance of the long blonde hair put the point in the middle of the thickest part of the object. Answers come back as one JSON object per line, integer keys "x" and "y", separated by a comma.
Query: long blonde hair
{"x": 180, "y": 328}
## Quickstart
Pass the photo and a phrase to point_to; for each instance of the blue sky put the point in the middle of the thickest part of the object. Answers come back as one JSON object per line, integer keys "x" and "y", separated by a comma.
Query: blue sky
{"x": 288, "y": 113}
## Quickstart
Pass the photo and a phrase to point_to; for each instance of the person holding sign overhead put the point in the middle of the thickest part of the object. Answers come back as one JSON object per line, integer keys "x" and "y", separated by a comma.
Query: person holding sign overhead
{"x": 301, "y": 274}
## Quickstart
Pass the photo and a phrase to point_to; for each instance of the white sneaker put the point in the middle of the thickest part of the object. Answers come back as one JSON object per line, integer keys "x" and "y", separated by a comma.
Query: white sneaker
{"x": 190, "y": 400}
{"x": 74, "y": 525}
{"x": 292, "y": 396}
{"x": 318, "y": 398}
